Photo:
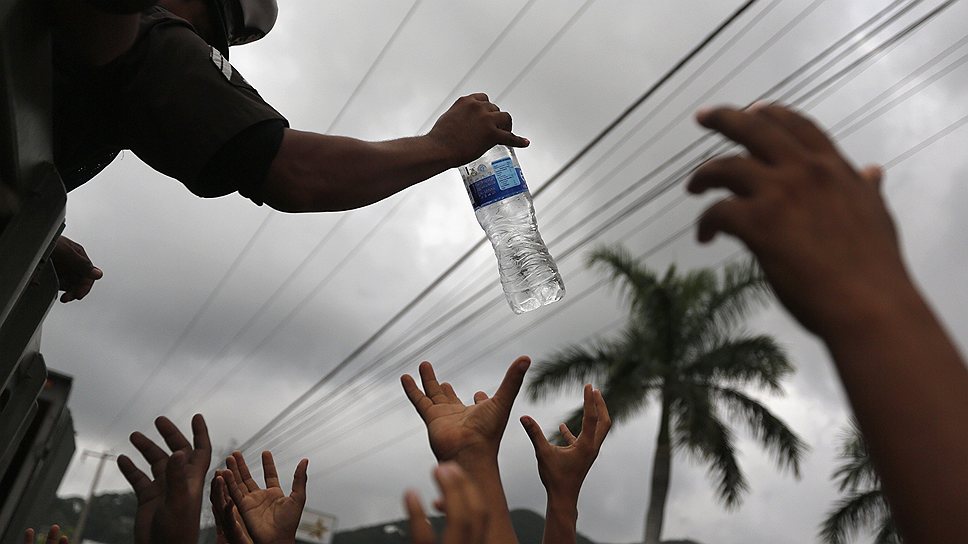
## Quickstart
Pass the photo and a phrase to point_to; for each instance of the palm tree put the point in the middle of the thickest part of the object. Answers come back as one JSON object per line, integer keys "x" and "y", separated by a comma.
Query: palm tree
{"x": 683, "y": 349}
{"x": 865, "y": 504}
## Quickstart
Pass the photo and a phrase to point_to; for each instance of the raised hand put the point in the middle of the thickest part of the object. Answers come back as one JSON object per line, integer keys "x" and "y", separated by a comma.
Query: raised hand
{"x": 53, "y": 536}
{"x": 458, "y": 430}
{"x": 472, "y": 126}
{"x": 229, "y": 527}
{"x": 818, "y": 226}
{"x": 563, "y": 468}
{"x": 269, "y": 515}
{"x": 463, "y": 504}
{"x": 170, "y": 502}
{"x": 826, "y": 241}
{"x": 76, "y": 273}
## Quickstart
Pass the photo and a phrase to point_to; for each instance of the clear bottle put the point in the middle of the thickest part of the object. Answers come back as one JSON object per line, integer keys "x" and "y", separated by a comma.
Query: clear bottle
{"x": 504, "y": 209}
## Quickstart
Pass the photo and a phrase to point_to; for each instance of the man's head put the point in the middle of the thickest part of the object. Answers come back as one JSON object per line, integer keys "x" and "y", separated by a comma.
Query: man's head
{"x": 243, "y": 21}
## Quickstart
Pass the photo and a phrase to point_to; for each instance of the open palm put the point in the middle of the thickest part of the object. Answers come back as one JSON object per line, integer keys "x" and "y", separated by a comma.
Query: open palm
{"x": 270, "y": 516}
{"x": 454, "y": 427}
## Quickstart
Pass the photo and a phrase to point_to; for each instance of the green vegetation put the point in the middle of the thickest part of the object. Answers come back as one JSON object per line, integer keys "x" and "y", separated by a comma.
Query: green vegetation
{"x": 864, "y": 504}
{"x": 684, "y": 349}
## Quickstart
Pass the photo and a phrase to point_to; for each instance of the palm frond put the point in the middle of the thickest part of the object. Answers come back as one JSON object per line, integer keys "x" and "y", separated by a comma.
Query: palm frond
{"x": 725, "y": 304}
{"x": 624, "y": 398}
{"x": 744, "y": 285}
{"x": 784, "y": 445}
{"x": 858, "y": 510}
{"x": 751, "y": 359}
{"x": 635, "y": 280}
{"x": 857, "y": 469}
{"x": 698, "y": 430}
{"x": 573, "y": 367}
{"x": 888, "y": 533}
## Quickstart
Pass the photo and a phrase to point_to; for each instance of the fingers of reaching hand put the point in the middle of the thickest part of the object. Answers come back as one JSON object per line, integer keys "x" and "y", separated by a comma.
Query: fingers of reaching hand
{"x": 604, "y": 419}
{"x": 730, "y": 215}
{"x": 240, "y": 470}
{"x": 420, "y": 530}
{"x": 763, "y": 137}
{"x": 537, "y": 437}
{"x": 450, "y": 393}
{"x": 419, "y": 400}
{"x": 236, "y": 492}
{"x": 567, "y": 435}
{"x": 431, "y": 386}
{"x": 513, "y": 378}
{"x": 741, "y": 175}
{"x": 29, "y": 536}
{"x": 589, "y": 420}
{"x": 873, "y": 175}
{"x": 299, "y": 480}
{"x": 218, "y": 496}
{"x": 53, "y": 535}
{"x": 200, "y": 437}
{"x": 269, "y": 470}
{"x": 171, "y": 434}
{"x": 139, "y": 481}
{"x": 804, "y": 130}
{"x": 157, "y": 458}
{"x": 480, "y": 397}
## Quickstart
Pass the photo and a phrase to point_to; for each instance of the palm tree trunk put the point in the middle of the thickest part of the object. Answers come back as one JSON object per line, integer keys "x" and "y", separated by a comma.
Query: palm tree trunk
{"x": 661, "y": 474}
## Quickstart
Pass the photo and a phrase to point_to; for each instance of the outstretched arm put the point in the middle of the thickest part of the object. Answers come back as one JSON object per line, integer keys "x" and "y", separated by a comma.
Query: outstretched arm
{"x": 563, "y": 468}
{"x": 471, "y": 435}
{"x": 316, "y": 172}
{"x": 824, "y": 238}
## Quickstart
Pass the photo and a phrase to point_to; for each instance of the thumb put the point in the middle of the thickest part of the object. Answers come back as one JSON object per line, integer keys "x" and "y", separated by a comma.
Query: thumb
{"x": 299, "y": 480}
{"x": 538, "y": 439}
{"x": 508, "y": 390}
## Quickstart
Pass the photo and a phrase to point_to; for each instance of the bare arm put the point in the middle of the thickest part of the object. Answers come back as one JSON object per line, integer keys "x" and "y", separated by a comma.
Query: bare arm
{"x": 563, "y": 468}
{"x": 827, "y": 243}
{"x": 470, "y": 435}
{"x": 316, "y": 172}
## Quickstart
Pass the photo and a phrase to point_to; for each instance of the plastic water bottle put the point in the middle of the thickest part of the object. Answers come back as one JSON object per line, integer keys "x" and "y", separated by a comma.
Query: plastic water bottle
{"x": 504, "y": 209}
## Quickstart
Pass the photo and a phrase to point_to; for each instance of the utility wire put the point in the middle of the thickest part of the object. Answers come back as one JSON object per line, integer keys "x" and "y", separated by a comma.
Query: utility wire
{"x": 897, "y": 160}
{"x": 385, "y": 219}
{"x": 176, "y": 345}
{"x": 406, "y": 309}
{"x": 544, "y": 50}
{"x": 651, "y": 195}
{"x": 840, "y": 74}
{"x": 193, "y": 322}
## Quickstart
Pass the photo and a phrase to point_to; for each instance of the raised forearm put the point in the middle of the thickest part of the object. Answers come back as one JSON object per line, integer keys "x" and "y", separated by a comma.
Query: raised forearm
{"x": 909, "y": 389}
{"x": 561, "y": 518}
{"x": 485, "y": 474}
{"x": 315, "y": 172}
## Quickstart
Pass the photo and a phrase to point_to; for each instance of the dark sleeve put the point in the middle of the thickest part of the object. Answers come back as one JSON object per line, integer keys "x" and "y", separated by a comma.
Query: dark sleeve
{"x": 242, "y": 164}
{"x": 186, "y": 112}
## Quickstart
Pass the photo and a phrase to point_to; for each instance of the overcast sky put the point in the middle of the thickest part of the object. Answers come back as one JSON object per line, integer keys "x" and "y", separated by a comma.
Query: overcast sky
{"x": 164, "y": 251}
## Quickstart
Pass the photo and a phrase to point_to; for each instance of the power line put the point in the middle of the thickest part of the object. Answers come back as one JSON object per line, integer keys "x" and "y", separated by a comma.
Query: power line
{"x": 544, "y": 50}
{"x": 248, "y": 245}
{"x": 352, "y": 356}
{"x": 383, "y": 220}
{"x": 682, "y": 172}
{"x": 914, "y": 150}
{"x": 166, "y": 358}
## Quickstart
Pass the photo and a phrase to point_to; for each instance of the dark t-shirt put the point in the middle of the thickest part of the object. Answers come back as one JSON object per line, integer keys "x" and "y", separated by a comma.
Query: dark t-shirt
{"x": 176, "y": 103}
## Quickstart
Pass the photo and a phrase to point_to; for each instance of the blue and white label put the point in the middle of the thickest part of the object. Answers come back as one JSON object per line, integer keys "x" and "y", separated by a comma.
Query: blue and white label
{"x": 505, "y": 182}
